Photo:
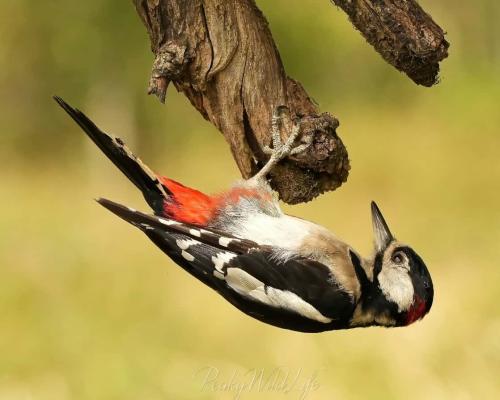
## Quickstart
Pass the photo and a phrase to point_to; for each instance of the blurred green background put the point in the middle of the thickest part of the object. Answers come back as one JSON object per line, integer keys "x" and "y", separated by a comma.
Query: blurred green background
{"x": 90, "y": 309}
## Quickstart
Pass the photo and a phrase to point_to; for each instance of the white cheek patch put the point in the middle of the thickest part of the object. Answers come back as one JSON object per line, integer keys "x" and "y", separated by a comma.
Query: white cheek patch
{"x": 396, "y": 285}
{"x": 250, "y": 287}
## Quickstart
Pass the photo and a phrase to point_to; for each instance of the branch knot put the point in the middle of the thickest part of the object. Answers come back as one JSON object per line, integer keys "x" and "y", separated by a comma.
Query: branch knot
{"x": 169, "y": 65}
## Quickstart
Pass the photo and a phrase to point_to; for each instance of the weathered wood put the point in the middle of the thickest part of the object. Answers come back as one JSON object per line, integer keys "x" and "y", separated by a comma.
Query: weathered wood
{"x": 403, "y": 33}
{"x": 221, "y": 55}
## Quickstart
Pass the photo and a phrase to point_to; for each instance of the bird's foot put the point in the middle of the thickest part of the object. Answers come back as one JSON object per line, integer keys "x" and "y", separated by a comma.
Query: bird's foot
{"x": 280, "y": 150}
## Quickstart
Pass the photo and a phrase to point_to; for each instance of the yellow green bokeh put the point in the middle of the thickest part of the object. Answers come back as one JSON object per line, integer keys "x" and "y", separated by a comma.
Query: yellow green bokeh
{"x": 90, "y": 309}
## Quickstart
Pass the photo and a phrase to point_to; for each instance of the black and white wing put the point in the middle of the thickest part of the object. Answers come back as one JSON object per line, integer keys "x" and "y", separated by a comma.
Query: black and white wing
{"x": 296, "y": 293}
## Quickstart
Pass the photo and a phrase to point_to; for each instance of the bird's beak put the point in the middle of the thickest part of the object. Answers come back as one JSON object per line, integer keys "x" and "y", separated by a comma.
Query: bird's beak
{"x": 383, "y": 235}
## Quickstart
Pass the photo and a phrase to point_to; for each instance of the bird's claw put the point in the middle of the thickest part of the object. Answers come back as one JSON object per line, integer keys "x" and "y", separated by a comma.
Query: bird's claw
{"x": 267, "y": 150}
{"x": 280, "y": 150}
{"x": 302, "y": 147}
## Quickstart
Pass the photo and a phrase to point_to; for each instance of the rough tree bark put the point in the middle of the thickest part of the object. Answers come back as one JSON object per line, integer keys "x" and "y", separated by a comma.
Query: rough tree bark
{"x": 221, "y": 55}
{"x": 403, "y": 33}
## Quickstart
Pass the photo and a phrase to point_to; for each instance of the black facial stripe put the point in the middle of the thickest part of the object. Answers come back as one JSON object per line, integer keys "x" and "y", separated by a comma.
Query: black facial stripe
{"x": 377, "y": 266}
{"x": 360, "y": 272}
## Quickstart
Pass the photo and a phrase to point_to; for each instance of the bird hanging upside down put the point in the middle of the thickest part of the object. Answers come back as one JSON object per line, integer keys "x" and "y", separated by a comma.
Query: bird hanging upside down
{"x": 277, "y": 268}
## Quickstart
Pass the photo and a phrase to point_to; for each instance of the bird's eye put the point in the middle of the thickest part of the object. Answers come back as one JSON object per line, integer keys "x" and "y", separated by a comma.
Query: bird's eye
{"x": 397, "y": 258}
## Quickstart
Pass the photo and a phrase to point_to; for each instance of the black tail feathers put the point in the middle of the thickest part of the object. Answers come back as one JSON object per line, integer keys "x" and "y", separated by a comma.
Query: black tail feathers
{"x": 141, "y": 176}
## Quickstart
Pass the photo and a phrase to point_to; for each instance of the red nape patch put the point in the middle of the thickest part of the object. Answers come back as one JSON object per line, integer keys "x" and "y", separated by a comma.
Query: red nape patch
{"x": 188, "y": 205}
{"x": 416, "y": 311}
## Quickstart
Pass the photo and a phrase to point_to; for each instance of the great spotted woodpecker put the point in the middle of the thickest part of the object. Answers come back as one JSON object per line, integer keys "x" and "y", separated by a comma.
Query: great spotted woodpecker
{"x": 277, "y": 268}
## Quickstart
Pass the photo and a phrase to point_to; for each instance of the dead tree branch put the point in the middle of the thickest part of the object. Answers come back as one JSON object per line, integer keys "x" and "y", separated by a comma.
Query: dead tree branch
{"x": 403, "y": 33}
{"x": 221, "y": 55}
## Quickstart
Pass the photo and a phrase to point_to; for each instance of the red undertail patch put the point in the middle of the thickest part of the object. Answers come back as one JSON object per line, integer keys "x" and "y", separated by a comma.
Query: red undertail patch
{"x": 188, "y": 205}
{"x": 194, "y": 207}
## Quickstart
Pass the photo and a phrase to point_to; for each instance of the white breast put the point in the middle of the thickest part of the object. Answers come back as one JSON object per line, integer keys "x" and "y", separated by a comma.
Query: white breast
{"x": 283, "y": 231}
{"x": 260, "y": 219}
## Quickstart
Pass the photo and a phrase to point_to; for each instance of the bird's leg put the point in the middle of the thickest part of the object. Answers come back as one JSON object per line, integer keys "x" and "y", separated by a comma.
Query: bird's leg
{"x": 280, "y": 150}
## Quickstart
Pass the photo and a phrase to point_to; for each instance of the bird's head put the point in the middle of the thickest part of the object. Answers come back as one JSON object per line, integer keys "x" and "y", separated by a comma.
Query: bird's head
{"x": 400, "y": 276}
